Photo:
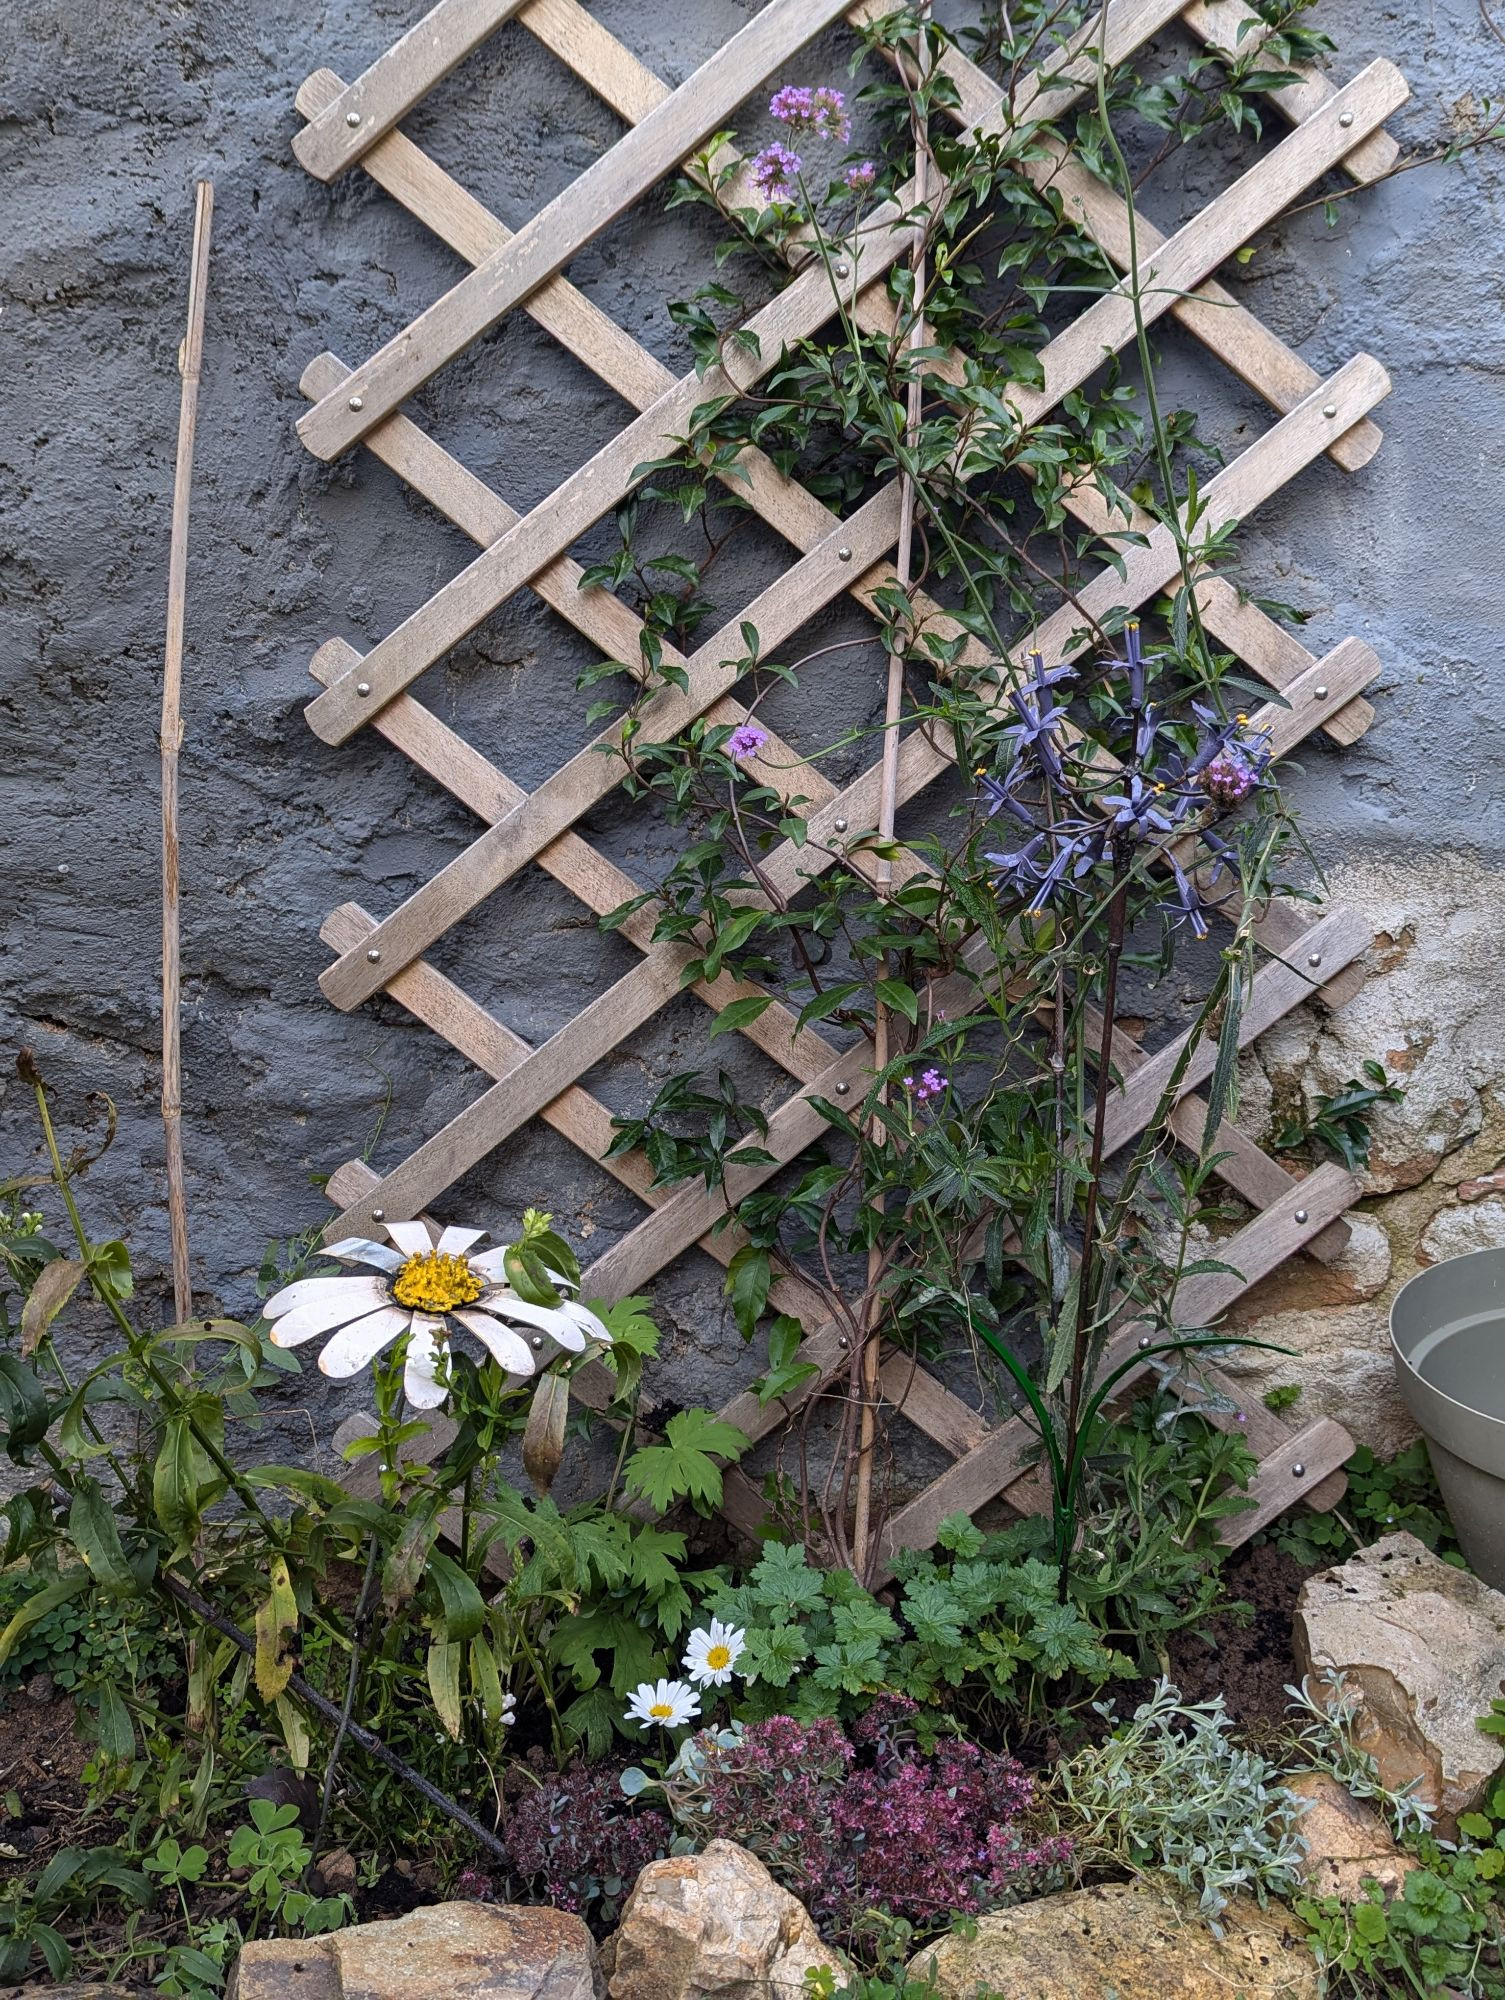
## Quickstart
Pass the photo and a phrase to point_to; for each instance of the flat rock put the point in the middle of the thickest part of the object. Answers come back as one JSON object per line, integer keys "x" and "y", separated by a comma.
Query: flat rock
{"x": 1124, "y": 1941}
{"x": 1347, "y": 1843}
{"x": 1420, "y": 1646}
{"x": 448, "y": 1951}
{"x": 714, "y": 1926}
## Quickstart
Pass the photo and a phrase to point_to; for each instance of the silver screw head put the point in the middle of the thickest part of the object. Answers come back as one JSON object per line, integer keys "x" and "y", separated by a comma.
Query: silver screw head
{"x": 1345, "y": 119}
{"x": 63, "y": 868}
{"x": 363, "y": 688}
{"x": 538, "y": 1340}
{"x": 374, "y": 955}
{"x": 352, "y": 119}
{"x": 1314, "y": 958}
{"x": 1144, "y": 1341}
{"x": 842, "y": 269}
{"x": 842, "y": 1340}
{"x": 843, "y": 554}
{"x": 378, "y": 1215}
{"x": 842, "y": 1089}
{"x": 1298, "y": 1470}
{"x": 840, "y": 825}
{"x": 1329, "y": 409}
{"x": 1301, "y": 1215}
{"x": 357, "y": 402}
{"x": 1320, "y": 691}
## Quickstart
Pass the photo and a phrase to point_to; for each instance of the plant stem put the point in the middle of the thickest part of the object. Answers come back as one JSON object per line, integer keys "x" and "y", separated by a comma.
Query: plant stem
{"x": 352, "y": 1681}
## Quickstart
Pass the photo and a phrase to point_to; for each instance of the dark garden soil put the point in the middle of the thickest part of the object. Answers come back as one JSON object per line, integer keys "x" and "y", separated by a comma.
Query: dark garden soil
{"x": 40, "y": 1762}
{"x": 1247, "y": 1659}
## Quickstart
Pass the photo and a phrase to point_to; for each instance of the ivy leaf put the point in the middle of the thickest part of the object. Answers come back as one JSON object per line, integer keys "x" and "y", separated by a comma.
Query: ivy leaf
{"x": 682, "y": 1468}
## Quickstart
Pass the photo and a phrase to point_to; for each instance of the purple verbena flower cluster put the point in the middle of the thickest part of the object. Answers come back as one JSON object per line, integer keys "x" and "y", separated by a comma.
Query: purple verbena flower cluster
{"x": 821, "y": 111}
{"x": 775, "y": 172}
{"x": 745, "y": 741}
{"x": 579, "y": 1845}
{"x": 1162, "y": 788}
{"x": 878, "y": 1823}
{"x": 930, "y": 1083}
{"x": 861, "y": 177}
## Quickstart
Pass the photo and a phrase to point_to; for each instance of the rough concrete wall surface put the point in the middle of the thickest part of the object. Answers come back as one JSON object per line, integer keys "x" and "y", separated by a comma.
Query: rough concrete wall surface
{"x": 107, "y": 113}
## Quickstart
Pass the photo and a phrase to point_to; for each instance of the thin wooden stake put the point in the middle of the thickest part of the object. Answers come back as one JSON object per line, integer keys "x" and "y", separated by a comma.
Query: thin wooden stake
{"x": 863, "y": 1539}
{"x": 190, "y": 359}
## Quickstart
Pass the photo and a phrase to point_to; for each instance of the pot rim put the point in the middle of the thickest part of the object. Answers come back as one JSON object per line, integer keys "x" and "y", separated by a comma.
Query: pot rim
{"x": 1403, "y": 1361}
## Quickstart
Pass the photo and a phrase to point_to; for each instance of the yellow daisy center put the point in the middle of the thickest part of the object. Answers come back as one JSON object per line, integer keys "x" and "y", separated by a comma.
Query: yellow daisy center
{"x": 435, "y": 1283}
{"x": 717, "y": 1657}
{"x": 661, "y": 1708}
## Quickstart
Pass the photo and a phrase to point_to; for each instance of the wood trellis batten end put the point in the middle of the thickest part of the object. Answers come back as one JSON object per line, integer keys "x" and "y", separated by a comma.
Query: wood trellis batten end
{"x": 1335, "y": 127}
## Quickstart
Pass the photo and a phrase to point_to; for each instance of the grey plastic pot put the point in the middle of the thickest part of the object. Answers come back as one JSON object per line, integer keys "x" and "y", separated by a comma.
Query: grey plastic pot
{"x": 1447, "y": 1327}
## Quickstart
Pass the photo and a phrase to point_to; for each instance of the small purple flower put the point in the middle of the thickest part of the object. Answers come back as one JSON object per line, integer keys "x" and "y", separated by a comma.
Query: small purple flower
{"x": 745, "y": 741}
{"x": 1229, "y": 778}
{"x": 774, "y": 172}
{"x": 862, "y": 176}
{"x": 822, "y": 111}
{"x": 931, "y": 1084}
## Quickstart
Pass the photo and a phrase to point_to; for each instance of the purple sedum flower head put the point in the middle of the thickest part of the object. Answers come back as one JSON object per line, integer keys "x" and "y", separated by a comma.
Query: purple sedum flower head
{"x": 745, "y": 741}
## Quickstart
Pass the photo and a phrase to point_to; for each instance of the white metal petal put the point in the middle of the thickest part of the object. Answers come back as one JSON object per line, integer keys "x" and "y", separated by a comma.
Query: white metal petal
{"x": 554, "y": 1320}
{"x": 420, "y": 1375}
{"x": 491, "y": 1263}
{"x": 454, "y": 1241}
{"x": 347, "y": 1299}
{"x": 507, "y": 1347}
{"x": 411, "y": 1238}
{"x": 565, "y": 1284}
{"x": 304, "y": 1290}
{"x": 597, "y": 1329}
{"x": 361, "y": 1250}
{"x": 354, "y": 1346}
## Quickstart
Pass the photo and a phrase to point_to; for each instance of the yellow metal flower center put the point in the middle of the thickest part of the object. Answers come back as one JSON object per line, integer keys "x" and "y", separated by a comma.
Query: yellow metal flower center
{"x": 661, "y": 1708}
{"x": 717, "y": 1657}
{"x": 435, "y": 1283}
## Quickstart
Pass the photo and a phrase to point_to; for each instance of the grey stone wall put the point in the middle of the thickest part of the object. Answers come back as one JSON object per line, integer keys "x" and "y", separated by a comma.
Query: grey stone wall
{"x": 107, "y": 113}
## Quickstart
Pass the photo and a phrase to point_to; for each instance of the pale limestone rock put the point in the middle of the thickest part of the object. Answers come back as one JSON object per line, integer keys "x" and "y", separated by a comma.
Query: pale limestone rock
{"x": 1126, "y": 1941}
{"x": 1453, "y": 1232}
{"x": 449, "y": 1951}
{"x": 714, "y": 1926}
{"x": 1347, "y": 1843}
{"x": 1421, "y": 1645}
{"x": 1340, "y": 1355}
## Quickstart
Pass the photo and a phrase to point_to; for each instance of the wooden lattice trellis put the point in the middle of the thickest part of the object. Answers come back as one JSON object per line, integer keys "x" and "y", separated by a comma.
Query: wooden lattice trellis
{"x": 359, "y": 123}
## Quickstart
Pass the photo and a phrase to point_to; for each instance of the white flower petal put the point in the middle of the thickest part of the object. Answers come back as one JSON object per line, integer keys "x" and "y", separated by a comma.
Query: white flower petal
{"x": 361, "y": 1250}
{"x": 509, "y": 1348}
{"x": 553, "y": 1320}
{"x": 354, "y": 1346}
{"x": 596, "y": 1329}
{"x": 420, "y": 1375}
{"x": 491, "y": 1263}
{"x": 454, "y": 1242}
{"x": 411, "y": 1238}
{"x": 565, "y": 1284}
{"x": 347, "y": 1299}
{"x": 306, "y": 1290}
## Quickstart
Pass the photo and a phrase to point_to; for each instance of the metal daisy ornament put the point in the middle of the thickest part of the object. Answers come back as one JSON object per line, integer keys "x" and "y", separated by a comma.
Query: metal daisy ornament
{"x": 426, "y": 1291}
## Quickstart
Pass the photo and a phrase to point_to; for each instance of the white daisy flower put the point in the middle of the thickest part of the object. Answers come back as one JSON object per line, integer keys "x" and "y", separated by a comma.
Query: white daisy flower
{"x": 710, "y": 1655}
{"x": 427, "y": 1290}
{"x": 670, "y": 1704}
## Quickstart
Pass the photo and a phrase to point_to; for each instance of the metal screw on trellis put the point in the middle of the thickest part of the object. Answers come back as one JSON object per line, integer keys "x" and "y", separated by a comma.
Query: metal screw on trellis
{"x": 1298, "y": 1470}
{"x": 840, "y": 825}
{"x": 526, "y": 551}
{"x": 1301, "y": 1215}
{"x": 378, "y": 1215}
{"x": 352, "y": 118}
